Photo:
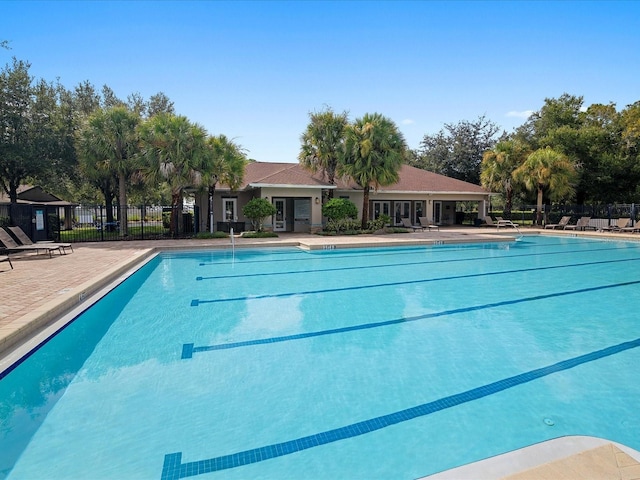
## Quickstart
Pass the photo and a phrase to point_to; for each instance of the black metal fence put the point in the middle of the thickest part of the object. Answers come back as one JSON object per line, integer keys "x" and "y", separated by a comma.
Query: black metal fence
{"x": 526, "y": 214}
{"x": 95, "y": 223}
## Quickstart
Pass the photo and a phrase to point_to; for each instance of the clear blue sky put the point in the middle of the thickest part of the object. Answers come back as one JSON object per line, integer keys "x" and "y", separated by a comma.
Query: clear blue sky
{"x": 254, "y": 70}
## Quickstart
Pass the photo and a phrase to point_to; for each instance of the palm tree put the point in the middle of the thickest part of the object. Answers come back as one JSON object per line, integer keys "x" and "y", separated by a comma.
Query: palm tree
{"x": 374, "y": 151}
{"x": 497, "y": 168}
{"x": 109, "y": 140}
{"x": 322, "y": 143}
{"x": 226, "y": 164}
{"x": 547, "y": 170}
{"x": 173, "y": 151}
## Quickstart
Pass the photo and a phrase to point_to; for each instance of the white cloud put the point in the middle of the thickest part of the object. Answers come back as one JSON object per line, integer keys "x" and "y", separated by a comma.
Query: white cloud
{"x": 408, "y": 121}
{"x": 523, "y": 114}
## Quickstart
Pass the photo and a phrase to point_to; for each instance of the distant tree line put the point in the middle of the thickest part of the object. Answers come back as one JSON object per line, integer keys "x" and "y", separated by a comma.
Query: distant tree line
{"x": 565, "y": 152}
{"x": 89, "y": 146}
{"x": 93, "y": 147}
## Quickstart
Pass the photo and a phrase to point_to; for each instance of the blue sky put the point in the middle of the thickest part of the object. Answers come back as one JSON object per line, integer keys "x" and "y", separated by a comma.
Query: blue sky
{"x": 254, "y": 70}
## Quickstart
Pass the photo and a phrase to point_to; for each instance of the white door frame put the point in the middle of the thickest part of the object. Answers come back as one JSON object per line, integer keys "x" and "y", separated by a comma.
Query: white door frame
{"x": 437, "y": 212}
{"x": 280, "y": 217}
{"x": 230, "y": 215}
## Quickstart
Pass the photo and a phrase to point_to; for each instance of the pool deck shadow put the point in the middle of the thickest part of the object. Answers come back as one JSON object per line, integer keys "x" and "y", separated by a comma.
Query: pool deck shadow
{"x": 39, "y": 291}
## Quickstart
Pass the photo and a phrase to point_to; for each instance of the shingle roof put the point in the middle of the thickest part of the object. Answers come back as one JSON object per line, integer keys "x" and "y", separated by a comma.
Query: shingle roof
{"x": 412, "y": 179}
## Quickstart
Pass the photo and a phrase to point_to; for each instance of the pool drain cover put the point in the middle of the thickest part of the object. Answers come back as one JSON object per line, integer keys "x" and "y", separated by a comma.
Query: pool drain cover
{"x": 549, "y": 422}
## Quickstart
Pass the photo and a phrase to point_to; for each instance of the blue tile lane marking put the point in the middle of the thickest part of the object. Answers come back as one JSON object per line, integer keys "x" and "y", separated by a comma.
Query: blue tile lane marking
{"x": 174, "y": 469}
{"x": 197, "y": 302}
{"x": 403, "y": 252}
{"x": 188, "y": 349}
{"x": 399, "y": 264}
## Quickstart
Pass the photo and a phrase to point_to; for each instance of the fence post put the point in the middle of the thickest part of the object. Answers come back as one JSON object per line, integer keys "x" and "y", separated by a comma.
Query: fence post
{"x": 143, "y": 210}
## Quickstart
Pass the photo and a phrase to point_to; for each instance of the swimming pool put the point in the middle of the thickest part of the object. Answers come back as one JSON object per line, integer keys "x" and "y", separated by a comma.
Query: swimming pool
{"x": 281, "y": 363}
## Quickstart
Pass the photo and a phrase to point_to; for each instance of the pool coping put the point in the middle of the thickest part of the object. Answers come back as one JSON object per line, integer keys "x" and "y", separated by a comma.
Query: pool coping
{"x": 529, "y": 458}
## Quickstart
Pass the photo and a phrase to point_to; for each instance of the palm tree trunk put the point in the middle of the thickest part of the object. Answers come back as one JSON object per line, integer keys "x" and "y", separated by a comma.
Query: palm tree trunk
{"x": 539, "y": 208}
{"x": 176, "y": 201}
{"x": 212, "y": 191}
{"x": 122, "y": 195}
{"x": 365, "y": 207}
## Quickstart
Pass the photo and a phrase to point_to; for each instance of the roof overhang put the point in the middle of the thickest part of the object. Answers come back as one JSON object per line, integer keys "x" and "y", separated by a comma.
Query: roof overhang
{"x": 275, "y": 185}
{"x": 413, "y": 192}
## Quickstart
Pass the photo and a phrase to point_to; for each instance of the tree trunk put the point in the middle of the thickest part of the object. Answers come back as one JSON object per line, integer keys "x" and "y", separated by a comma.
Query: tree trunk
{"x": 122, "y": 196}
{"x": 539, "y": 208}
{"x": 508, "y": 204}
{"x": 210, "y": 216}
{"x": 176, "y": 211}
{"x": 365, "y": 207}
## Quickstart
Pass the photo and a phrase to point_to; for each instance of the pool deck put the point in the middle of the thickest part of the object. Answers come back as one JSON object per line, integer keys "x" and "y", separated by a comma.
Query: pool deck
{"x": 39, "y": 290}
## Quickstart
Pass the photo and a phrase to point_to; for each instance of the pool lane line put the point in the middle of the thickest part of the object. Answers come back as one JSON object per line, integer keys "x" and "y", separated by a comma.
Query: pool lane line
{"x": 188, "y": 349}
{"x": 400, "y": 264}
{"x": 332, "y": 254}
{"x": 174, "y": 469}
{"x": 197, "y": 302}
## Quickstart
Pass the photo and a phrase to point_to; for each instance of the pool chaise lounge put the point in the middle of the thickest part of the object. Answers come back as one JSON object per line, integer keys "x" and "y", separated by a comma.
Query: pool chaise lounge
{"x": 406, "y": 223}
{"x": 24, "y": 239}
{"x": 10, "y": 244}
{"x": 618, "y": 226}
{"x": 581, "y": 224}
{"x": 5, "y": 258}
{"x": 428, "y": 225}
{"x": 561, "y": 224}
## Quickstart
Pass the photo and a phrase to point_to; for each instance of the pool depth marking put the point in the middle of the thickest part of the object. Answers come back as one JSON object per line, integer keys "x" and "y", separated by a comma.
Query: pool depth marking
{"x": 188, "y": 349}
{"x": 196, "y": 302}
{"x": 174, "y": 469}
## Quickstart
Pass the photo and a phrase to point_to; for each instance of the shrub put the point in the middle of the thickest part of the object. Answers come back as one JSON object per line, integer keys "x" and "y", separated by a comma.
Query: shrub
{"x": 339, "y": 208}
{"x": 341, "y": 214}
{"x": 4, "y": 221}
{"x": 256, "y": 210}
{"x": 379, "y": 223}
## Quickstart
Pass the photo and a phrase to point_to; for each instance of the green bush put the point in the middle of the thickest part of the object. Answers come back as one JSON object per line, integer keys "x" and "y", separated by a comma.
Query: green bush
{"x": 4, "y": 221}
{"x": 339, "y": 208}
{"x": 379, "y": 223}
{"x": 256, "y": 210}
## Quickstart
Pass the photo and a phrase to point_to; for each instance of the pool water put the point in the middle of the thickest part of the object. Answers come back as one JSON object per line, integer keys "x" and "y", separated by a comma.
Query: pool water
{"x": 377, "y": 363}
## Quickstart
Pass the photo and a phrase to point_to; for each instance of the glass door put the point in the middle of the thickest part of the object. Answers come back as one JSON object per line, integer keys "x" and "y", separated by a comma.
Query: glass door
{"x": 280, "y": 223}
{"x": 437, "y": 212}
{"x": 230, "y": 209}
{"x": 381, "y": 208}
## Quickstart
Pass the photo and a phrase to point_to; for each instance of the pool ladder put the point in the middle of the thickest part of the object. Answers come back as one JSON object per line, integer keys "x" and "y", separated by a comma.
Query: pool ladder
{"x": 509, "y": 223}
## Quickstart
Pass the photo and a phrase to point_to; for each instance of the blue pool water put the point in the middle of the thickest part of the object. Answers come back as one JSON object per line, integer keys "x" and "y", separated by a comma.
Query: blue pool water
{"x": 388, "y": 363}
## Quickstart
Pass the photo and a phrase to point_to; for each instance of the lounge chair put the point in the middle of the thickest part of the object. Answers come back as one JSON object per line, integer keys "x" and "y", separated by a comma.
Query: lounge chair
{"x": 24, "y": 239}
{"x": 424, "y": 222}
{"x": 501, "y": 222}
{"x": 561, "y": 224}
{"x": 488, "y": 222}
{"x": 618, "y": 226}
{"x": 10, "y": 244}
{"x": 406, "y": 223}
{"x": 581, "y": 224}
{"x": 5, "y": 258}
{"x": 631, "y": 228}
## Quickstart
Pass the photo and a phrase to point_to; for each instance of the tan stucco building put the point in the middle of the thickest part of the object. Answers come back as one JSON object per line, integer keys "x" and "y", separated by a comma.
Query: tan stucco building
{"x": 298, "y": 195}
